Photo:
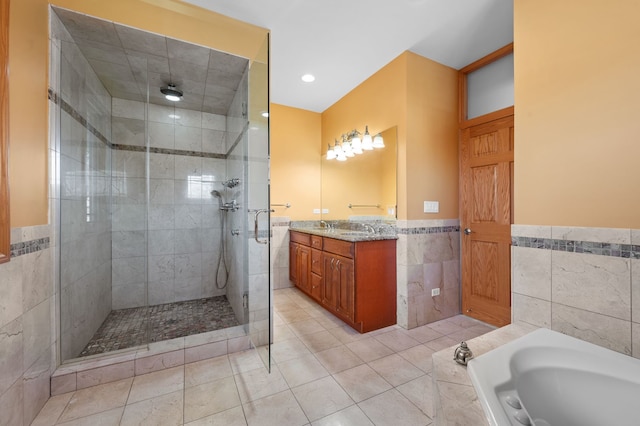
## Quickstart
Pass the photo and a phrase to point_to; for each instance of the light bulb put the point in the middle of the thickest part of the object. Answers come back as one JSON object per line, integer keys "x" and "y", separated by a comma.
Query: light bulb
{"x": 378, "y": 142}
{"x": 367, "y": 142}
{"x": 331, "y": 154}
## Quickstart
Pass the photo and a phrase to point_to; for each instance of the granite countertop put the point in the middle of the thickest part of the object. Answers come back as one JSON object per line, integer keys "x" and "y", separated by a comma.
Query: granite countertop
{"x": 454, "y": 398}
{"x": 345, "y": 234}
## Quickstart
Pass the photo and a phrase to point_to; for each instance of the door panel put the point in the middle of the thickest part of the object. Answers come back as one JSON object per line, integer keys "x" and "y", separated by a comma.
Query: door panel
{"x": 486, "y": 164}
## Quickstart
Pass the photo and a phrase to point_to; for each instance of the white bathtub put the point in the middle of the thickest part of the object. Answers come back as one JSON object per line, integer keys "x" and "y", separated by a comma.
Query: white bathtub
{"x": 547, "y": 378}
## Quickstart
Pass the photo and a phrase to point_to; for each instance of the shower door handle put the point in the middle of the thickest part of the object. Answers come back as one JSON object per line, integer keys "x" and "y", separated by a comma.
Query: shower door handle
{"x": 255, "y": 228}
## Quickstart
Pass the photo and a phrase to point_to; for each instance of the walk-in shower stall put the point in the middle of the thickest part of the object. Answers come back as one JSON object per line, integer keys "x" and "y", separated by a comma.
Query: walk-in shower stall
{"x": 157, "y": 201}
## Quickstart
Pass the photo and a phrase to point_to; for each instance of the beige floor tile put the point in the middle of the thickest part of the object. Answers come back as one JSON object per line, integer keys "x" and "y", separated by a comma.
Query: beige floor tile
{"x": 231, "y": 417}
{"x": 423, "y": 334}
{"x": 464, "y": 321}
{"x": 317, "y": 342}
{"x": 49, "y": 414}
{"x": 288, "y": 349}
{"x": 321, "y": 398}
{"x": 97, "y": 399}
{"x": 166, "y": 410}
{"x": 280, "y": 409}
{"x": 245, "y": 361}
{"x": 419, "y": 392}
{"x": 282, "y": 332}
{"x": 309, "y": 326}
{"x": 302, "y": 370}
{"x": 351, "y": 416}
{"x": 259, "y": 383}
{"x": 347, "y": 334}
{"x": 294, "y": 315}
{"x": 106, "y": 418}
{"x": 420, "y": 356}
{"x": 397, "y": 340}
{"x": 445, "y": 326}
{"x": 392, "y": 409}
{"x": 210, "y": 398}
{"x": 441, "y": 343}
{"x": 155, "y": 384}
{"x": 285, "y": 305}
{"x": 328, "y": 320}
{"x": 207, "y": 370}
{"x": 395, "y": 369}
{"x": 338, "y": 359}
{"x": 369, "y": 349}
{"x": 362, "y": 382}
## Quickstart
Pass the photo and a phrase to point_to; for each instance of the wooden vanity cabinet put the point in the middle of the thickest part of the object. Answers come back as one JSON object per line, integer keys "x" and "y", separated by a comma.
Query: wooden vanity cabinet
{"x": 356, "y": 281}
{"x": 300, "y": 262}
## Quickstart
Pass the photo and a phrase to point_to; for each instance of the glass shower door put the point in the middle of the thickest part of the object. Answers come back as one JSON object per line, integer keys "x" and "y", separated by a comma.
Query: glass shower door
{"x": 259, "y": 293}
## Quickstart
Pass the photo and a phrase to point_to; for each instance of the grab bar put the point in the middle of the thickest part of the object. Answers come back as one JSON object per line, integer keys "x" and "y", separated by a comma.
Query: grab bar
{"x": 364, "y": 205}
{"x": 255, "y": 219}
{"x": 285, "y": 205}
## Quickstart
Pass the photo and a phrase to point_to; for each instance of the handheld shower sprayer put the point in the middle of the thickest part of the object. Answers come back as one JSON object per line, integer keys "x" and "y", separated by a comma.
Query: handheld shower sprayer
{"x": 231, "y": 183}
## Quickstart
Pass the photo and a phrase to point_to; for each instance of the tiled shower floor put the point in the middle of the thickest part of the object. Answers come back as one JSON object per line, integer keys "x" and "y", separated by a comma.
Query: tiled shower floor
{"x": 126, "y": 328}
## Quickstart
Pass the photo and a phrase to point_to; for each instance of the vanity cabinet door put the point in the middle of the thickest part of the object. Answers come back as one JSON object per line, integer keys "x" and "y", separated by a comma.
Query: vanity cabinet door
{"x": 339, "y": 285}
{"x": 300, "y": 266}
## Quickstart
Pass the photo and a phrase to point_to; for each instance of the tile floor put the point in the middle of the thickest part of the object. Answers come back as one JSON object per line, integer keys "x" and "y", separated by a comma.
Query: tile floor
{"x": 323, "y": 373}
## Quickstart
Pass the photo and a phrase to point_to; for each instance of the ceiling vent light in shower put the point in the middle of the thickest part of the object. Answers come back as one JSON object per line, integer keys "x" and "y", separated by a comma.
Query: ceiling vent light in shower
{"x": 171, "y": 93}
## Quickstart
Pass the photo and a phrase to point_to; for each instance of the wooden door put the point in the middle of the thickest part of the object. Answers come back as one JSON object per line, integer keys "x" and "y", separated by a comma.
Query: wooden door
{"x": 486, "y": 166}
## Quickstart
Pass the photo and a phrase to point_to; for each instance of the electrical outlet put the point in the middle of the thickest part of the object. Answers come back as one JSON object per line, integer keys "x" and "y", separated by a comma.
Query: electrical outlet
{"x": 435, "y": 292}
{"x": 431, "y": 206}
{"x": 325, "y": 211}
{"x": 316, "y": 211}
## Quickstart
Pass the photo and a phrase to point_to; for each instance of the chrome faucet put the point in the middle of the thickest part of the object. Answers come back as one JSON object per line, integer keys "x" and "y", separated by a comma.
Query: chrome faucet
{"x": 369, "y": 228}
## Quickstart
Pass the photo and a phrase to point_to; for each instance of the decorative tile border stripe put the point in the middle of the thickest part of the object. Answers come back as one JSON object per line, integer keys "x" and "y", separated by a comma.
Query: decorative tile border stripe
{"x": 77, "y": 116}
{"x": 169, "y": 151}
{"x": 26, "y": 247}
{"x": 428, "y": 230}
{"x": 53, "y": 96}
{"x": 602, "y": 249}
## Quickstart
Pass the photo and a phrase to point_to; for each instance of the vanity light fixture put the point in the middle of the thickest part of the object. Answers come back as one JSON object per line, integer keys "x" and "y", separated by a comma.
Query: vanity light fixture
{"x": 352, "y": 144}
{"x": 171, "y": 93}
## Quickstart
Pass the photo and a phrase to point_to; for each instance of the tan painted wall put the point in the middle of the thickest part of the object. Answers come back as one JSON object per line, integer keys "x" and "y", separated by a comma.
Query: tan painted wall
{"x": 28, "y": 62}
{"x": 577, "y": 120}
{"x": 419, "y": 96}
{"x": 380, "y": 103}
{"x": 295, "y": 161}
{"x": 432, "y": 147}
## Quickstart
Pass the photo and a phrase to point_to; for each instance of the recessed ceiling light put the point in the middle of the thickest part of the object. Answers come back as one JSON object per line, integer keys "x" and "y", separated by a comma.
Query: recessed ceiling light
{"x": 171, "y": 93}
{"x": 308, "y": 78}
{"x": 265, "y": 114}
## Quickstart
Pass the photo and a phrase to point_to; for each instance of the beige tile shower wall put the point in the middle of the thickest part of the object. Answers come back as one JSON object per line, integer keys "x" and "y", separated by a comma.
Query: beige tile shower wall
{"x": 427, "y": 258}
{"x": 183, "y": 225}
{"x": 588, "y": 295}
{"x": 27, "y": 329}
{"x": 280, "y": 252}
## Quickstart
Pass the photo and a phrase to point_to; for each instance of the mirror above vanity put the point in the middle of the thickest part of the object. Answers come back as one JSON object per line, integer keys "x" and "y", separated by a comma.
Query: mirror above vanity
{"x": 364, "y": 186}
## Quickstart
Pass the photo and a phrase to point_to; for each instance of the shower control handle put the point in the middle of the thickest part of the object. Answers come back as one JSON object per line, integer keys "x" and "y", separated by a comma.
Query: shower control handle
{"x": 255, "y": 228}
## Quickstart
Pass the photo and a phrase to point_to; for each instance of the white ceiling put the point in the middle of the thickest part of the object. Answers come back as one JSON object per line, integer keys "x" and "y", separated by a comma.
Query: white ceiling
{"x": 344, "y": 42}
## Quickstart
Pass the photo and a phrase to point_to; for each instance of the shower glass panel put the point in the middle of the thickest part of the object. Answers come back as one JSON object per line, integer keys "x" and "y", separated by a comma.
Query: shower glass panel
{"x": 158, "y": 200}
{"x": 103, "y": 211}
{"x": 258, "y": 202}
